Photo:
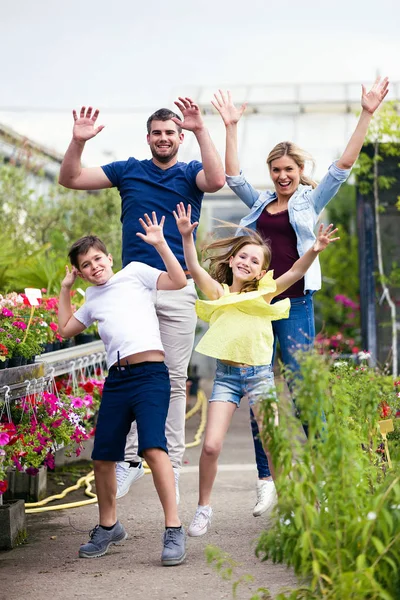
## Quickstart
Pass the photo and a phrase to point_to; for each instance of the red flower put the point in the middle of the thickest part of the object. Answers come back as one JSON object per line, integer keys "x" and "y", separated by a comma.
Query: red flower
{"x": 88, "y": 387}
{"x": 385, "y": 410}
{"x": 3, "y": 486}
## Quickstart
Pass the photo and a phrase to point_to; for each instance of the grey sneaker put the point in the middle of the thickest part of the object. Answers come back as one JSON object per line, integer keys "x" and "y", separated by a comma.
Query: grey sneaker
{"x": 101, "y": 539}
{"x": 174, "y": 551}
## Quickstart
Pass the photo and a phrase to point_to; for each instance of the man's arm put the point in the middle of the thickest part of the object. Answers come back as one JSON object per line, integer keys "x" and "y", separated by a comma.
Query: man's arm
{"x": 212, "y": 177}
{"x": 72, "y": 175}
{"x": 68, "y": 325}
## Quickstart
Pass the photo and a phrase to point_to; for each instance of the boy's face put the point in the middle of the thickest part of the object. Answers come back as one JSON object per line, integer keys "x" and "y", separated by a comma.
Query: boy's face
{"x": 95, "y": 266}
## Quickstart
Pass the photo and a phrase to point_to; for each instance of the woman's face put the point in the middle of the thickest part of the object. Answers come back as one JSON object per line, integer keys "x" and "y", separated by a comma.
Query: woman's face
{"x": 285, "y": 174}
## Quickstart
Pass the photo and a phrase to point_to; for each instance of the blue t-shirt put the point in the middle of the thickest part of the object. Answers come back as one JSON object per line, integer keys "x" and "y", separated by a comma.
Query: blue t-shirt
{"x": 144, "y": 187}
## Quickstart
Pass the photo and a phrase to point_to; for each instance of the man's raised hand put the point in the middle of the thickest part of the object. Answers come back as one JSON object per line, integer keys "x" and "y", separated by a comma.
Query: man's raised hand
{"x": 192, "y": 119}
{"x": 84, "y": 125}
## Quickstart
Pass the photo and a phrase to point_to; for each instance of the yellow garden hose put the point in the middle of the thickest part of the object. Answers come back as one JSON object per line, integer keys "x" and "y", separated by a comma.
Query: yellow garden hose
{"x": 86, "y": 480}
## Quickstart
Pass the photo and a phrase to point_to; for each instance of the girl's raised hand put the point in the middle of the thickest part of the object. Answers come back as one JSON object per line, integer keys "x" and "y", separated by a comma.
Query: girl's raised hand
{"x": 372, "y": 99}
{"x": 153, "y": 234}
{"x": 228, "y": 111}
{"x": 70, "y": 277}
{"x": 182, "y": 218}
{"x": 324, "y": 237}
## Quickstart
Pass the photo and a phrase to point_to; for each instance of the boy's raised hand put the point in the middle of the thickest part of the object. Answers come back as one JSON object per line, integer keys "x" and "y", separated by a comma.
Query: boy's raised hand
{"x": 70, "y": 277}
{"x": 153, "y": 229}
{"x": 182, "y": 218}
{"x": 324, "y": 237}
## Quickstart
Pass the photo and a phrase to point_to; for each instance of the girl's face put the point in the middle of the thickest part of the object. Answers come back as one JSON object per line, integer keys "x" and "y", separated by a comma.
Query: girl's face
{"x": 285, "y": 174}
{"x": 247, "y": 264}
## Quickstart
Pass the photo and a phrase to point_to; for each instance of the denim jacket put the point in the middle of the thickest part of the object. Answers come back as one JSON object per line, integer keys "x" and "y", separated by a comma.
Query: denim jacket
{"x": 304, "y": 208}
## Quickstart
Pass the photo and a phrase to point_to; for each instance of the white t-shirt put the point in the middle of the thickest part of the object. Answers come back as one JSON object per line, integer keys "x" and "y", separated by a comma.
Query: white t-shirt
{"x": 124, "y": 309}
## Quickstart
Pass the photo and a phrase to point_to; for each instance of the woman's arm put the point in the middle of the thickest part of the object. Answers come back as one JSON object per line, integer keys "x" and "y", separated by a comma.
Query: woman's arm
{"x": 302, "y": 265}
{"x": 174, "y": 278}
{"x": 231, "y": 116}
{"x": 370, "y": 101}
{"x": 211, "y": 288}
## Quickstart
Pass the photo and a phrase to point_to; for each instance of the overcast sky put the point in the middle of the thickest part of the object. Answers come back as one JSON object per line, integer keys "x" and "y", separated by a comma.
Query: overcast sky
{"x": 127, "y": 53}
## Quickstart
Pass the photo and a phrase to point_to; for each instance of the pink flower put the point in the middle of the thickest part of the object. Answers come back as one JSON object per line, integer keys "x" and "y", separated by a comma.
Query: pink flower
{"x": 4, "y": 439}
{"x": 49, "y": 460}
{"x": 77, "y": 402}
{"x": 19, "y": 324}
{"x": 7, "y": 313}
{"x": 53, "y": 326}
{"x": 87, "y": 400}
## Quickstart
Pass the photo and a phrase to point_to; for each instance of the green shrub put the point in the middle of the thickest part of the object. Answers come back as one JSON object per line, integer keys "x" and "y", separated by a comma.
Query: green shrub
{"x": 338, "y": 519}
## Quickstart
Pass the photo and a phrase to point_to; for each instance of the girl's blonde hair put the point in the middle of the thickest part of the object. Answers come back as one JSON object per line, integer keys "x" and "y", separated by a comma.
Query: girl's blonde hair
{"x": 299, "y": 156}
{"x": 220, "y": 251}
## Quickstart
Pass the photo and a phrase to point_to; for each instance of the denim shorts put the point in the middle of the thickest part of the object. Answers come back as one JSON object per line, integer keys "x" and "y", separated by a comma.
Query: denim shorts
{"x": 231, "y": 384}
{"x": 133, "y": 393}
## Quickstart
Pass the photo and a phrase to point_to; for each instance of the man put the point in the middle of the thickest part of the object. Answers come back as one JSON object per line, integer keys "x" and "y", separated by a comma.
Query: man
{"x": 145, "y": 186}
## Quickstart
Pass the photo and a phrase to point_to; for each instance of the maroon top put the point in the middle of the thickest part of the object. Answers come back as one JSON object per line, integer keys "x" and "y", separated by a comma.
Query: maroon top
{"x": 277, "y": 230}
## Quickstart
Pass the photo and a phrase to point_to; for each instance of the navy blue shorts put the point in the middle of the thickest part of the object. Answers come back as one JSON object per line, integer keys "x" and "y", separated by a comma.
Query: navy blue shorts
{"x": 138, "y": 393}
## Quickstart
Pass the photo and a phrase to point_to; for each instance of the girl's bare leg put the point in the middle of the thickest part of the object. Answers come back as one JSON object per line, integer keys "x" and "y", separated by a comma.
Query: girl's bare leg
{"x": 218, "y": 420}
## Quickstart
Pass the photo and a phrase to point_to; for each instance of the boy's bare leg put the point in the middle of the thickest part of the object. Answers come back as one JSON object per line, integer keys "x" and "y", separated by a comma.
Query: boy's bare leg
{"x": 106, "y": 489}
{"x": 218, "y": 420}
{"x": 164, "y": 481}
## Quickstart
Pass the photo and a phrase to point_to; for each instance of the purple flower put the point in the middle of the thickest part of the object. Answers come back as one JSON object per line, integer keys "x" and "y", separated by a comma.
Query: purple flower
{"x": 4, "y": 439}
{"x": 32, "y": 471}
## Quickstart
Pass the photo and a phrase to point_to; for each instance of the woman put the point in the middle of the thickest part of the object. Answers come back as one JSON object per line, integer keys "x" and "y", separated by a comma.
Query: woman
{"x": 287, "y": 217}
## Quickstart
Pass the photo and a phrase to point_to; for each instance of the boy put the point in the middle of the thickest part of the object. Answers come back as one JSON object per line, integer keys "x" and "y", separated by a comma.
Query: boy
{"x": 137, "y": 386}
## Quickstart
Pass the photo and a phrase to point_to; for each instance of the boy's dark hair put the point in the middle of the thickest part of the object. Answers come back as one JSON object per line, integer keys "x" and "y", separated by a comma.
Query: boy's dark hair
{"x": 82, "y": 246}
{"x": 163, "y": 114}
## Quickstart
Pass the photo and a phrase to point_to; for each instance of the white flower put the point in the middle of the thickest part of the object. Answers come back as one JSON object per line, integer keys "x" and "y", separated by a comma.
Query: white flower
{"x": 371, "y": 516}
{"x": 364, "y": 355}
{"x": 339, "y": 363}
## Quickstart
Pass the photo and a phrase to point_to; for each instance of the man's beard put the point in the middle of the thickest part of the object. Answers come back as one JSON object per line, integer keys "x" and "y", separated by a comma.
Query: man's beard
{"x": 162, "y": 158}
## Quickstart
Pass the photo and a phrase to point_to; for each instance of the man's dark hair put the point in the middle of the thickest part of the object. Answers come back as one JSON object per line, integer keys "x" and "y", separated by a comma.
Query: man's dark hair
{"x": 163, "y": 114}
{"x": 82, "y": 246}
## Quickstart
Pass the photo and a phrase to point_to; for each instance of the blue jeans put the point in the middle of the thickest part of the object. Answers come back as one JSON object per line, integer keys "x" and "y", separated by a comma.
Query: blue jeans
{"x": 295, "y": 333}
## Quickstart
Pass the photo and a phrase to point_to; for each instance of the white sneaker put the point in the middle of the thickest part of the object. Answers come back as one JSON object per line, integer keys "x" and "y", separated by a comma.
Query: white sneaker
{"x": 126, "y": 475}
{"x": 266, "y": 496}
{"x": 176, "y": 475}
{"x": 201, "y": 521}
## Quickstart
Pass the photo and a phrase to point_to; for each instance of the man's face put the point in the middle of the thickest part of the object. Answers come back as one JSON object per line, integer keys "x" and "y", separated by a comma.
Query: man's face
{"x": 164, "y": 140}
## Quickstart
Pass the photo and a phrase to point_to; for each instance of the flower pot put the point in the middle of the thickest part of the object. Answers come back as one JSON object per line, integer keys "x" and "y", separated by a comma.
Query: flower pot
{"x": 4, "y": 363}
{"x": 31, "y": 360}
{"x": 56, "y": 346}
{"x": 48, "y": 347}
{"x": 84, "y": 338}
{"x": 30, "y": 488}
{"x": 67, "y": 344}
{"x": 12, "y": 524}
{"x": 15, "y": 361}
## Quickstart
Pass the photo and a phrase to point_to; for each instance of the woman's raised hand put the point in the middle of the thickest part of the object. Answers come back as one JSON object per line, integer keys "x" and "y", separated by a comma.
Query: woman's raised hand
{"x": 324, "y": 237}
{"x": 228, "y": 111}
{"x": 182, "y": 218}
{"x": 372, "y": 99}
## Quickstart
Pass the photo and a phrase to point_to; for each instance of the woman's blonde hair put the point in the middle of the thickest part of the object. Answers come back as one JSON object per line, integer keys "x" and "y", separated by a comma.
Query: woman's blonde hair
{"x": 299, "y": 156}
{"x": 220, "y": 251}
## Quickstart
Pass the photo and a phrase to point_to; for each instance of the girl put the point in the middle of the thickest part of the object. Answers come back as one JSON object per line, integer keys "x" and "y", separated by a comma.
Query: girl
{"x": 287, "y": 217}
{"x": 240, "y": 335}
